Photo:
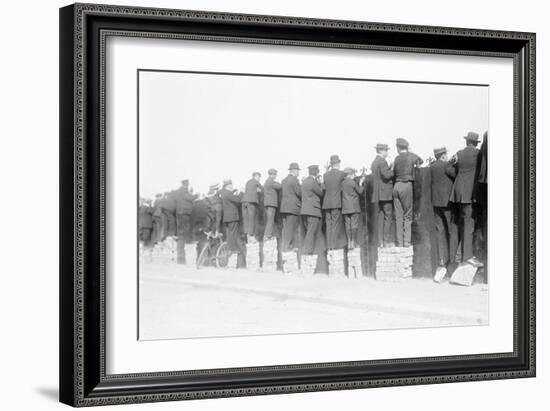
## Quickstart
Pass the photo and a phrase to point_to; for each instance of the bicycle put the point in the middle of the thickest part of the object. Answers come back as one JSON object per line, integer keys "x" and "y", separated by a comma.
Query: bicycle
{"x": 215, "y": 251}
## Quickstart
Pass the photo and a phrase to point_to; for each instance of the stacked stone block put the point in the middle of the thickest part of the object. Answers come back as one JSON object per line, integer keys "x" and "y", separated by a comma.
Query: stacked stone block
{"x": 394, "y": 263}
{"x": 165, "y": 251}
{"x": 232, "y": 261}
{"x": 253, "y": 255}
{"x": 190, "y": 254}
{"x": 290, "y": 262}
{"x": 336, "y": 263}
{"x": 309, "y": 263}
{"x": 354, "y": 263}
{"x": 269, "y": 262}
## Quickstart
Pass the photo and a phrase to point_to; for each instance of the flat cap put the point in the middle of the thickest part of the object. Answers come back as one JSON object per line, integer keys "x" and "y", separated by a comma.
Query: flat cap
{"x": 440, "y": 150}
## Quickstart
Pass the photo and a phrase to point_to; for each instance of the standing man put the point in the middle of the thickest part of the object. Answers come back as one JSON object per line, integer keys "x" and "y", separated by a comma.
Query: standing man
{"x": 183, "y": 199}
{"x": 332, "y": 205}
{"x": 351, "y": 206}
{"x": 158, "y": 227}
{"x": 291, "y": 204}
{"x": 251, "y": 200}
{"x": 404, "y": 170}
{"x": 214, "y": 209}
{"x": 465, "y": 163}
{"x": 145, "y": 222}
{"x": 231, "y": 201}
{"x": 312, "y": 194}
{"x": 382, "y": 194}
{"x": 442, "y": 175}
{"x": 168, "y": 205}
{"x": 272, "y": 190}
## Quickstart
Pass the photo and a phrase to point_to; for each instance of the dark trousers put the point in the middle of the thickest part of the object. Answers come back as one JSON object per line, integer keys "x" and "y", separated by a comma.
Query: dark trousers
{"x": 270, "y": 214}
{"x": 233, "y": 237}
{"x": 314, "y": 241}
{"x": 447, "y": 234}
{"x": 336, "y": 232}
{"x": 291, "y": 232}
{"x": 352, "y": 223}
{"x": 403, "y": 205}
{"x": 250, "y": 211}
{"x": 467, "y": 225}
{"x": 145, "y": 236}
{"x": 158, "y": 229}
{"x": 384, "y": 222}
{"x": 184, "y": 228}
{"x": 170, "y": 222}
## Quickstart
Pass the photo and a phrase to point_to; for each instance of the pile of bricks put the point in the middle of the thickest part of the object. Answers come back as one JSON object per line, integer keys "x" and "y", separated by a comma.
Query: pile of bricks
{"x": 269, "y": 262}
{"x": 253, "y": 255}
{"x": 190, "y": 254}
{"x": 336, "y": 263}
{"x": 394, "y": 263}
{"x": 233, "y": 260}
{"x": 165, "y": 251}
{"x": 290, "y": 262}
{"x": 308, "y": 264}
{"x": 354, "y": 263}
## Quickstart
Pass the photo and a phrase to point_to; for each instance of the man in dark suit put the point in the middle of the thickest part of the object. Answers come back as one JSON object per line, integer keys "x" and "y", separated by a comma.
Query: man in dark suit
{"x": 213, "y": 218}
{"x": 272, "y": 190}
{"x": 382, "y": 193}
{"x": 158, "y": 223}
{"x": 465, "y": 163}
{"x": 231, "y": 202}
{"x": 352, "y": 189}
{"x": 291, "y": 204}
{"x": 332, "y": 205}
{"x": 442, "y": 175}
{"x": 184, "y": 199}
{"x": 312, "y": 194}
{"x": 480, "y": 195}
{"x": 251, "y": 199}
{"x": 404, "y": 169}
{"x": 145, "y": 223}
{"x": 168, "y": 205}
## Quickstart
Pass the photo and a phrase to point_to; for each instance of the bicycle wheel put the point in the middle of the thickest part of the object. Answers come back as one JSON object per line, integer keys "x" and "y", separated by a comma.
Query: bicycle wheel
{"x": 203, "y": 255}
{"x": 222, "y": 255}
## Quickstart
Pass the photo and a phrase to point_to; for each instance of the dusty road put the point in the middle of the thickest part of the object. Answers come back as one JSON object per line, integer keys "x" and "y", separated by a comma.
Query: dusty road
{"x": 182, "y": 302}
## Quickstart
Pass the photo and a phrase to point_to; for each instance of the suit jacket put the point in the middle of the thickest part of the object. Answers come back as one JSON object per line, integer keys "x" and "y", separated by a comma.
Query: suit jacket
{"x": 251, "y": 191}
{"x": 404, "y": 166}
{"x": 442, "y": 175}
{"x": 291, "y": 202}
{"x": 157, "y": 208}
{"x": 351, "y": 192}
{"x": 332, "y": 181}
{"x": 168, "y": 203}
{"x": 213, "y": 216}
{"x": 145, "y": 216}
{"x": 231, "y": 203}
{"x": 382, "y": 185}
{"x": 312, "y": 193}
{"x": 184, "y": 201}
{"x": 466, "y": 175}
{"x": 271, "y": 192}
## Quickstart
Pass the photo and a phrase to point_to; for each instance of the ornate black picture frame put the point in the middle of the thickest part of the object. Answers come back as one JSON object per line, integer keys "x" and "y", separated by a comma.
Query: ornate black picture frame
{"x": 83, "y": 30}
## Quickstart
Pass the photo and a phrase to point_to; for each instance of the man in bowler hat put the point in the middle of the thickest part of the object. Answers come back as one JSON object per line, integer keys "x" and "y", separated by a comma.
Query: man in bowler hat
{"x": 442, "y": 175}
{"x": 465, "y": 163}
{"x": 291, "y": 204}
{"x": 382, "y": 193}
{"x": 332, "y": 204}
{"x": 352, "y": 189}
{"x": 251, "y": 200}
{"x": 312, "y": 194}
{"x": 231, "y": 202}
{"x": 183, "y": 199}
{"x": 272, "y": 194}
{"x": 404, "y": 168}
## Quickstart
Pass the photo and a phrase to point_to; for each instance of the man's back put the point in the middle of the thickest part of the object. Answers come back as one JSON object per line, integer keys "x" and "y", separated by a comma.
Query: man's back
{"x": 332, "y": 180}
{"x": 291, "y": 195}
{"x": 441, "y": 173}
{"x": 271, "y": 192}
{"x": 251, "y": 190}
{"x": 311, "y": 197}
{"x": 404, "y": 165}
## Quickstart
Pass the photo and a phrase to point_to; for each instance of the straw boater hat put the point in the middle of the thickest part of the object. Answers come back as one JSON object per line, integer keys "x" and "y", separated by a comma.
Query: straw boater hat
{"x": 380, "y": 146}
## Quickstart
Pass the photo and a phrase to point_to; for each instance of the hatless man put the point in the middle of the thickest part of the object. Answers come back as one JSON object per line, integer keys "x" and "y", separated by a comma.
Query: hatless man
{"x": 272, "y": 190}
{"x": 404, "y": 169}
{"x": 251, "y": 199}
{"x": 312, "y": 195}
{"x": 382, "y": 194}
{"x": 465, "y": 163}
{"x": 442, "y": 175}
{"x": 231, "y": 202}
{"x": 332, "y": 204}
{"x": 352, "y": 189}
{"x": 291, "y": 204}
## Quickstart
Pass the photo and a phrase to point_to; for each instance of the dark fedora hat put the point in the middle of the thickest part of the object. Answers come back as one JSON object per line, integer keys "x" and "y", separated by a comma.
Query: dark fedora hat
{"x": 380, "y": 146}
{"x": 294, "y": 166}
{"x": 313, "y": 169}
{"x": 472, "y": 136}
{"x": 440, "y": 150}
{"x": 401, "y": 143}
{"x": 334, "y": 159}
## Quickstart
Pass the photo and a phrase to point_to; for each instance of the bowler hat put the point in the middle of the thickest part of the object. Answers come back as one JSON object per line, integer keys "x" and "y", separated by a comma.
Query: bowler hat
{"x": 271, "y": 171}
{"x": 440, "y": 150}
{"x": 401, "y": 143}
{"x": 256, "y": 173}
{"x": 472, "y": 136}
{"x": 349, "y": 170}
{"x": 185, "y": 181}
{"x": 334, "y": 159}
{"x": 314, "y": 169}
{"x": 381, "y": 147}
{"x": 294, "y": 166}
{"x": 227, "y": 181}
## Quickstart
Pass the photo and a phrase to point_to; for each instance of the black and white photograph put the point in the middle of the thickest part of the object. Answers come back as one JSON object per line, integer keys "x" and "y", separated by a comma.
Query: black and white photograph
{"x": 282, "y": 204}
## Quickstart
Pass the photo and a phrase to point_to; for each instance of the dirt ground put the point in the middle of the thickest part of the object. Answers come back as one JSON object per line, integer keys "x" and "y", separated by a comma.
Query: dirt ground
{"x": 177, "y": 301}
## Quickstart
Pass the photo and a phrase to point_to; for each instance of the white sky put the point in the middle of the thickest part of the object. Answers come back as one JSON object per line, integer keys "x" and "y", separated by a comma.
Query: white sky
{"x": 209, "y": 127}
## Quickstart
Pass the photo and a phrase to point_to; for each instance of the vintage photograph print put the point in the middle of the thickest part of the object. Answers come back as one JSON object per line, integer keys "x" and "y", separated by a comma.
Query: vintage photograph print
{"x": 282, "y": 204}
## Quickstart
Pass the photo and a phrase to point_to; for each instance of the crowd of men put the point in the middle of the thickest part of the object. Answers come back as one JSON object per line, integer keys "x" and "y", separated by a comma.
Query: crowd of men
{"x": 327, "y": 211}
